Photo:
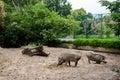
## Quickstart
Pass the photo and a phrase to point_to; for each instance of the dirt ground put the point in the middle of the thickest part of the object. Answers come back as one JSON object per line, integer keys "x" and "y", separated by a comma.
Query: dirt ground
{"x": 15, "y": 66}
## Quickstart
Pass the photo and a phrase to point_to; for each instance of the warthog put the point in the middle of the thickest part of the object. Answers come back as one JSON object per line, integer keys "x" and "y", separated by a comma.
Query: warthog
{"x": 27, "y": 51}
{"x": 35, "y": 51}
{"x": 96, "y": 57}
{"x": 67, "y": 57}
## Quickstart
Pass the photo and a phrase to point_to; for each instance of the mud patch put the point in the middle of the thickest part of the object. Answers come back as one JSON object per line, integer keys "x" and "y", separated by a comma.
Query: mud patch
{"x": 54, "y": 66}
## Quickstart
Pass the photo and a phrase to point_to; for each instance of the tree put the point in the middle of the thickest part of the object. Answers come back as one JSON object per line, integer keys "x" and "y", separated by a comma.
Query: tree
{"x": 79, "y": 14}
{"x": 114, "y": 7}
{"x": 19, "y": 4}
{"x": 62, "y": 7}
{"x": 85, "y": 20}
{"x": 89, "y": 15}
{"x": 38, "y": 25}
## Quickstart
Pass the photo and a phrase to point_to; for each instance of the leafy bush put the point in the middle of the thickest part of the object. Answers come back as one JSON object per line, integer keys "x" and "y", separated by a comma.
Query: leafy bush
{"x": 14, "y": 37}
{"x": 98, "y": 43}
{"x": 35, "y": 24}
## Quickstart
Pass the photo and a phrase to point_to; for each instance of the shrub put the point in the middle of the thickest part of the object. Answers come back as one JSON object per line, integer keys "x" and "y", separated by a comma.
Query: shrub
{"x": 14, "y": 37}
{"x": 35, "y": 24}
{"x": 98, "y": 43}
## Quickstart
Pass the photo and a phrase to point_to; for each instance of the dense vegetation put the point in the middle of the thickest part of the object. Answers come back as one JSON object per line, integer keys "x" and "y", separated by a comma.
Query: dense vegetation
{"x": 45, "y": 21}
{"x": 114, "y": 8}
{"x": 33, "y": 23}
{"x": 106, "y": 43}
{"x": 62, "y": 7}
{"x": 98, "y": 43}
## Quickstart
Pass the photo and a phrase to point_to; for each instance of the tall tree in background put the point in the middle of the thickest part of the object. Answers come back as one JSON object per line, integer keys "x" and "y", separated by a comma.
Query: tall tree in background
{"x": 85, "y": 20}
{"x": 62, "y": 7}
{"x": 79, "y": 14}
{"x": 114, "y": 7}
{"x": 19, "y": 4}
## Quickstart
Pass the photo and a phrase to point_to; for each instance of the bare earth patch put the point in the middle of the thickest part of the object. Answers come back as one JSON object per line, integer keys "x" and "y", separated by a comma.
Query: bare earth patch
{"x": 15, "y": 66}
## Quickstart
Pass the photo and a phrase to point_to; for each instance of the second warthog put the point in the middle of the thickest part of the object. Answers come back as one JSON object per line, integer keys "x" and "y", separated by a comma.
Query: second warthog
{"x": 96, "y": 57}
{"x": 67, "y": 58}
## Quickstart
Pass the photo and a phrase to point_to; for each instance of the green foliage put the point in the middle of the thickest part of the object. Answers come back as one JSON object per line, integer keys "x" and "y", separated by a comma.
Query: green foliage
{"x": 62, "y": 7}
{"x": 79, "y": 14}
{"x": 114, "y": 7}
{"x": 85, "y": 21}
{"x": 19, "y": 4}
{"x": 98, "y": 43}
{"x": 14, "y": 36}
{"x": 35, "y": 24}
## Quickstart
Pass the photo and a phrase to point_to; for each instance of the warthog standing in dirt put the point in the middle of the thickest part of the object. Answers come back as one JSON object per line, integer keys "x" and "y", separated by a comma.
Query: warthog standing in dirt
{"x": 67, "y": 58}
{"x": 96, "y": 57}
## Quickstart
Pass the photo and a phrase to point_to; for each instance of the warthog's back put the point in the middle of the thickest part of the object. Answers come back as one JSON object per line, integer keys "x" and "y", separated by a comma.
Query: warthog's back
{"x": 70, "y": 57}
{"x": 95, "y": 57}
